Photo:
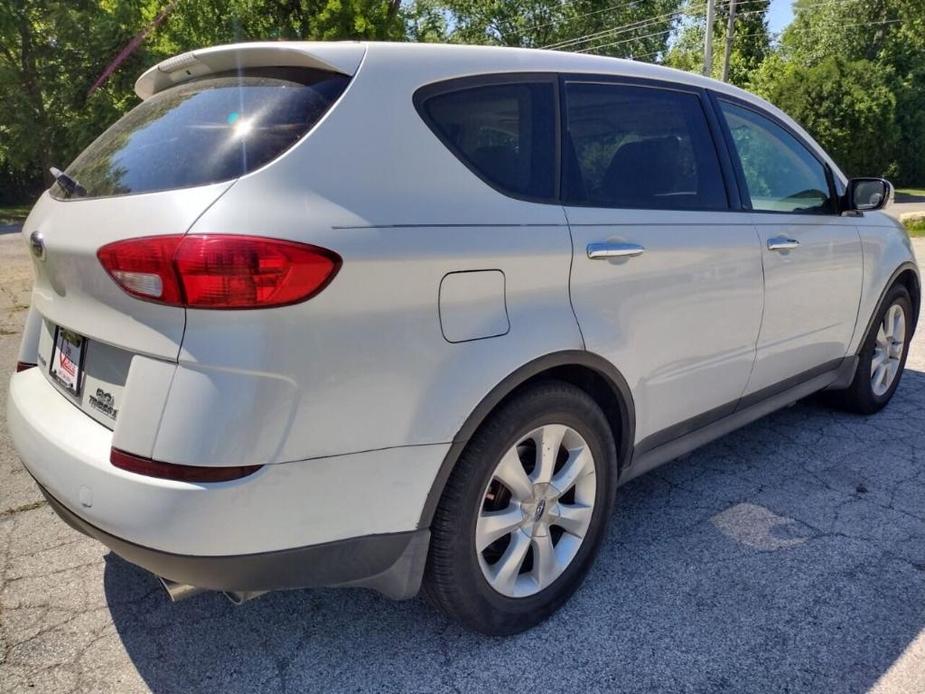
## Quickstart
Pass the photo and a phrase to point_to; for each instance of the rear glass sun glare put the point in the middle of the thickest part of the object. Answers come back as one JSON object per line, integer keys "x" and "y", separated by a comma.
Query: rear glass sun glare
{"x": 216, "y": 128}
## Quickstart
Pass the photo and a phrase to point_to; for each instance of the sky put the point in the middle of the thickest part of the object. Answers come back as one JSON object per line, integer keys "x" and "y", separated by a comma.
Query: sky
{"x": 780, "y": 14}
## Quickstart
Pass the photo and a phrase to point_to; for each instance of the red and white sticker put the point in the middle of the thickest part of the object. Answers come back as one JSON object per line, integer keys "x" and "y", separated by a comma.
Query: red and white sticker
{"x": 65, "y": 359}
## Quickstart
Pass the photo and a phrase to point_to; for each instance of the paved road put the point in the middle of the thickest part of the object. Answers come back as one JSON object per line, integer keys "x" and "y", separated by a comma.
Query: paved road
{"x": 906, "y": 203}
{"x": 789, "y": 556}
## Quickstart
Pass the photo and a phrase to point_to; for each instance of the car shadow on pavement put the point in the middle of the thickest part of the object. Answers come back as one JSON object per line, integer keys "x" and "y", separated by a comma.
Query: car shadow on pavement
{"x": 789, "y": 555}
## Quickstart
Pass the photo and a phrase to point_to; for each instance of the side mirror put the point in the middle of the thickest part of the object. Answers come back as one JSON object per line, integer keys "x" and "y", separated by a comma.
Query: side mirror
{"x": 868, "y": 194}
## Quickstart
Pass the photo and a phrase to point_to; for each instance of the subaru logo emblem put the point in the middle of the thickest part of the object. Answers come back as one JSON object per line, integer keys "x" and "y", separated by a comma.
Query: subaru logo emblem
{"x": 540, "y": 507}
{"x": 37, "y": 245}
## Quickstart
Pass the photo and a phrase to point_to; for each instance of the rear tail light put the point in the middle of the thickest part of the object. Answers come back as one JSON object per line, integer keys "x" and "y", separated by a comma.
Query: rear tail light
{"x": 219, "y": 271}
{"x": 182, "y": 473}
{"x": 23, "y": 365}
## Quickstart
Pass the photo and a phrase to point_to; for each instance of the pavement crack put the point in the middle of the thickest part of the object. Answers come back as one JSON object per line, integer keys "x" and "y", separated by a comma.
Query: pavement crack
{"x": 22, "y": 509}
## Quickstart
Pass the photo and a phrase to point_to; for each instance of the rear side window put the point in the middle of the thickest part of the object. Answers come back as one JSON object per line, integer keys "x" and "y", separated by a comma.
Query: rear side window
{"x": 782, "y": 175}
{"x": 210, "y": 130}
{"x": 505, "y": 133}
{"x": 639, "y": 147}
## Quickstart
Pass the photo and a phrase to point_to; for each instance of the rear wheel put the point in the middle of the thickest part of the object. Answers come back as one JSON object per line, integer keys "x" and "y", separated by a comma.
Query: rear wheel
{"x": 524, "y": 511}
{"x": 882, "y": 357}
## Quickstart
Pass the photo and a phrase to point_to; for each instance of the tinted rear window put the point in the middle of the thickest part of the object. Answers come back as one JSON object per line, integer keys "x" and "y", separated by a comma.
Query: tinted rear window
{"x": 639, "y": 147}
{"x": 211, "y": 130}
{"x": 505, "y": 133}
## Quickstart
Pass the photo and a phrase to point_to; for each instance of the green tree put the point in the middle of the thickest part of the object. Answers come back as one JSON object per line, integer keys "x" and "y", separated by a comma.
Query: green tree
{"x": 751, "y": 41}
{"x": 208, "y": 22}
{"x": 847, "y": 105}
{"x": 875, "y": 52}
{"x": 53, "y": 53}
{"x": 598, "y": 26}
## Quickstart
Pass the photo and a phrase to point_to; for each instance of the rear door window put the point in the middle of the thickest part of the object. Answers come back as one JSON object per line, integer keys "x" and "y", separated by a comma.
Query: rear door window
{"x": 782, "y": 175}
{"x": 209, "y": 130}
{"x": 505, "y": 133}
{"x": 639, "y": 147}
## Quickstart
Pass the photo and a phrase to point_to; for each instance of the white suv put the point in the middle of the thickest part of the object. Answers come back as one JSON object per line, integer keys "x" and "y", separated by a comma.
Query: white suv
{"x": 354, "y": 314}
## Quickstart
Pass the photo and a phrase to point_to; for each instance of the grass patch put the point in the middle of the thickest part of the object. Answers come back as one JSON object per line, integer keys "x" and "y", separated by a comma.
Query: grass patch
{"x": 13, "y": 214}
{"x": 915, "y": 227}
{"x": 917, "y": 192}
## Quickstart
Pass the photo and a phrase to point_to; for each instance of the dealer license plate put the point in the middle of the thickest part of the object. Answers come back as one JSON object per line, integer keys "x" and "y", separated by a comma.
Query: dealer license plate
{"x": 67, "y": 359}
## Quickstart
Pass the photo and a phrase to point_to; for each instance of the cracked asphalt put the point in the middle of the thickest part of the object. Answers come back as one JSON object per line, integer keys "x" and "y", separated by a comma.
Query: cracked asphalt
{"x": 788, "y": 556}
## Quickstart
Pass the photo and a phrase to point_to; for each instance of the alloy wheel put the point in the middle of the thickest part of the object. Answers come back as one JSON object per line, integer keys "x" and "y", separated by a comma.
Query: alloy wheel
{"x": 888, "y": 350}
{"x": 535, "y": 511}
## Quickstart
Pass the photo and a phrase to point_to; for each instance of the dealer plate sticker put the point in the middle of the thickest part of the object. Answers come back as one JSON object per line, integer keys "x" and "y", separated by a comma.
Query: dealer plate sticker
{"x": 66, "y": 359}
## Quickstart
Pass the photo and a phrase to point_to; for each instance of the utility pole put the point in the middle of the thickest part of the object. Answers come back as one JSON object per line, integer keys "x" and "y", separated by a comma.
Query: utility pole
{"x": 708, "y": 42}
{"x": 730, "y": 27}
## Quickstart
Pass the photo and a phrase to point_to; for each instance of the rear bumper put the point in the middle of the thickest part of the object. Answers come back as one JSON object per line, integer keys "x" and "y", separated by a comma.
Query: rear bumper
{"x": 342, "y": 520}
{"x": 391, "y": 564}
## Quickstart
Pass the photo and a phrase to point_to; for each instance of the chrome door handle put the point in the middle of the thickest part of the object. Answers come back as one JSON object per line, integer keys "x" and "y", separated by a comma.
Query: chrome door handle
{"x": 782, "y": 243}
{"x": 598, "y": 251}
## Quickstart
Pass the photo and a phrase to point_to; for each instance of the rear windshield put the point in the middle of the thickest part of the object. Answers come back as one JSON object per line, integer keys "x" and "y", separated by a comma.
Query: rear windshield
{"x": 214, "y": 129}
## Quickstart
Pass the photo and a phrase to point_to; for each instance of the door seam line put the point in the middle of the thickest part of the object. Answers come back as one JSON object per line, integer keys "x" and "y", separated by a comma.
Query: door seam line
{"x": 571, "y": 267}
{"x": 764, "y": 303}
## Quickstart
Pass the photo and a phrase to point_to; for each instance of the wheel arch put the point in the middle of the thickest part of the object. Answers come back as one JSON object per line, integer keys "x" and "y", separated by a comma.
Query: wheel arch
{"x": 586, "y": 370}
{"x": 908, "y": 276}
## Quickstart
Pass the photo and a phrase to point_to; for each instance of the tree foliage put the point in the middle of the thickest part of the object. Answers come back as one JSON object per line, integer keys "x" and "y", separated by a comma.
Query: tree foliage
{"x": 542, "y": 23}
{"x": 853, "y": 73}
{"x": 751, "y": 42}
{"x": 52, "y": 52}
{"x": 847, "y": 105}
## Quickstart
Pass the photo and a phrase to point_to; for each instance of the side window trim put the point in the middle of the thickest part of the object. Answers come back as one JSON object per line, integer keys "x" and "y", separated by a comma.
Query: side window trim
{"x": 735, "y": 202}
{"x": 744, "y": 196}
{"x": 717, "y": 99}
{"x": 424, "y": 93}
{"x": 558, "y": 101}
{"x": 726, "y": 157}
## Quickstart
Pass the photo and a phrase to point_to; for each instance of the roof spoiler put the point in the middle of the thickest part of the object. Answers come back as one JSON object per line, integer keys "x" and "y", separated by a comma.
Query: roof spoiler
{"x": 341, "y": 57}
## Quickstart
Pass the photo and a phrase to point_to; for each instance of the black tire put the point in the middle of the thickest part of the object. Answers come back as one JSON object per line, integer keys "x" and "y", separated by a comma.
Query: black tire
{"x": 453, "y": 580}
{"x": 860, "y": 396}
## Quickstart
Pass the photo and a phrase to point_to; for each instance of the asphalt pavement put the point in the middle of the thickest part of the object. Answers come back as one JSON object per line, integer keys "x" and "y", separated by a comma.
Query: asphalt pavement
{"x": 788, "y": 556}
{"x": 905, "y": 204}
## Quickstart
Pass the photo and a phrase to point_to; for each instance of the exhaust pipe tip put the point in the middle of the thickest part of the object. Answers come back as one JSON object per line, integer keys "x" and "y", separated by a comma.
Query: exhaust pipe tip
{"x": 239, "y": 597}
{"x": 179, "y": 591}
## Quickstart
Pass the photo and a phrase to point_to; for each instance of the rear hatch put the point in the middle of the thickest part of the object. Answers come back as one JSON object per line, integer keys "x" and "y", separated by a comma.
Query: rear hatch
{"x": 73, "y": 292}
{"x": 153, "y": 173}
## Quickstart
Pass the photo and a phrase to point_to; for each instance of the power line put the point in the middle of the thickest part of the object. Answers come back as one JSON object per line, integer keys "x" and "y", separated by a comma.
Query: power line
{"x": 612, "y": 8}
{"x": 629, "y": 40}
{"x": 639, "y": 24}
{"x": 759, "y": 33}
{"x": 668, "y": 31}
{"x": 613, "y": 31}
{"x": 692, "y": 11}
{"x": 633, "y": 26}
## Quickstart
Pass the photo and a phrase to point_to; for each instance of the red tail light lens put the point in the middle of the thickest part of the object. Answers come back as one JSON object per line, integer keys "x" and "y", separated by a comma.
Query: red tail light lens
{"x": 182, "y": 473}
{"x": 23, "y": 365}
{"x": 219, "y": 271}
{"x": 144, "y": 267}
